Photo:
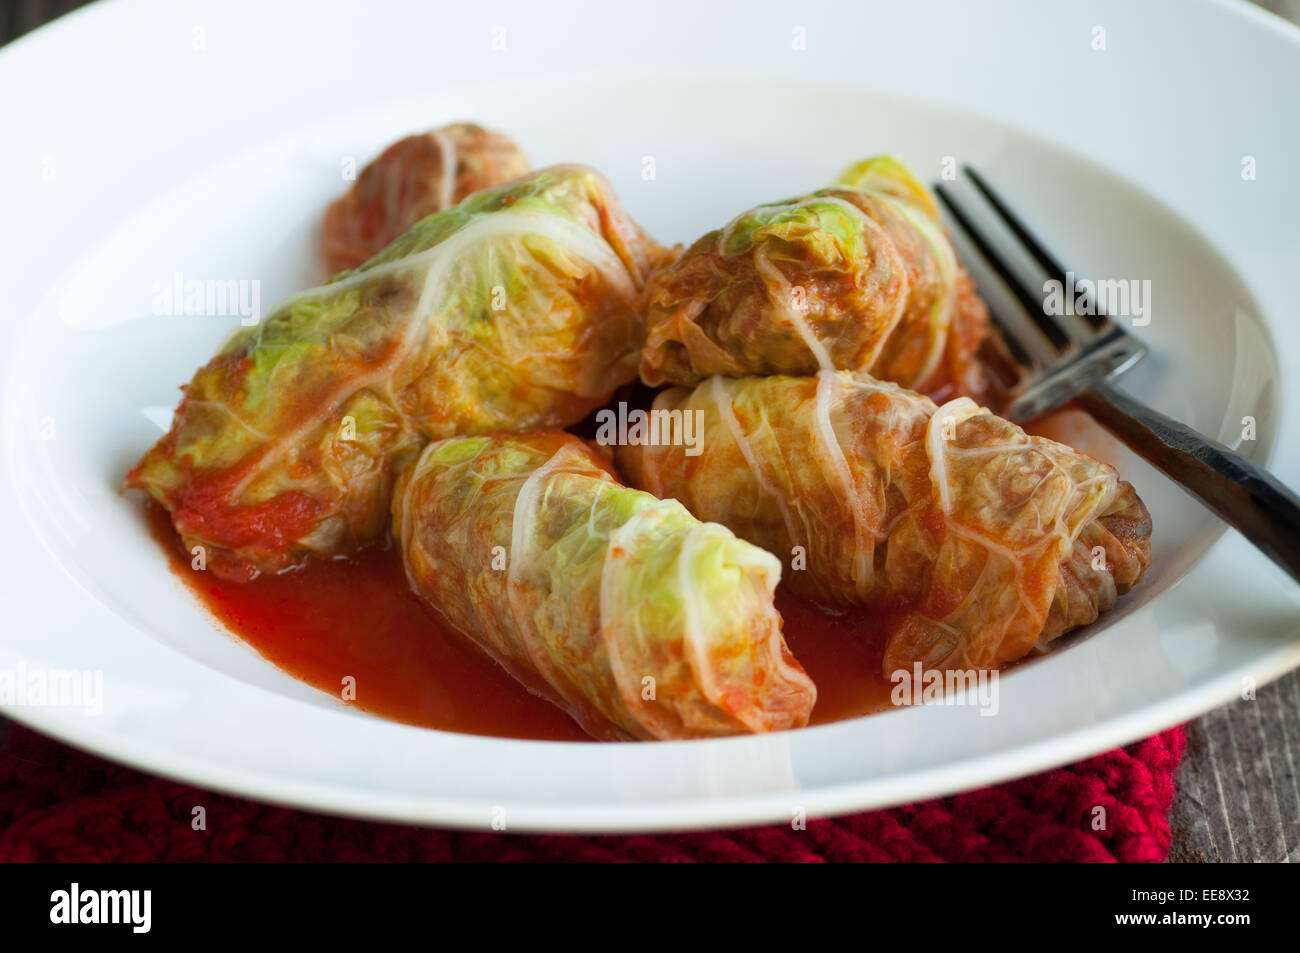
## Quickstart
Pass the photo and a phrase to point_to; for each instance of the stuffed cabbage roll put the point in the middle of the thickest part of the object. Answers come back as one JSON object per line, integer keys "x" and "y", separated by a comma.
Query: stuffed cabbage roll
{"x": 860, "y": 276}
{"x": 515, "y": 309}
{"x": 969, "y": 541}
{"x": 623, "y": 609}
{"x": 412, "y": 178}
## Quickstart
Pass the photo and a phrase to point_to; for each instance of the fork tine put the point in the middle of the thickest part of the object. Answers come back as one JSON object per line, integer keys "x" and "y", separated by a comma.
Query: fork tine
{"x": 1072, "y": 355}
{"x": 1028, "y": 239}
{"x": 1028, "y": 297}
{"x": 1025, "y": 351}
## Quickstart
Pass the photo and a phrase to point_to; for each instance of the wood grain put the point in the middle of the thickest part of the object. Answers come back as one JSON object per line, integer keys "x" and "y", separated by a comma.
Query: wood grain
{"x": 1238, "y": 793}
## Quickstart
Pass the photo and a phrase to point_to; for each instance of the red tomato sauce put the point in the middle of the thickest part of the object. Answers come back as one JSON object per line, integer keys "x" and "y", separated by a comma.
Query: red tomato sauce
{"x": 357, "y": 618}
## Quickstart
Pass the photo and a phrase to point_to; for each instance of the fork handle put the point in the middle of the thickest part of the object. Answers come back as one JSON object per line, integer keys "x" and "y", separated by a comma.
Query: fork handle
{"x": 1245, "y": 496}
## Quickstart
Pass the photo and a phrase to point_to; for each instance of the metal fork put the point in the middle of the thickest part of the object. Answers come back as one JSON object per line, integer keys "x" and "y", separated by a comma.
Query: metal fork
{"x": 1046, "y": 360}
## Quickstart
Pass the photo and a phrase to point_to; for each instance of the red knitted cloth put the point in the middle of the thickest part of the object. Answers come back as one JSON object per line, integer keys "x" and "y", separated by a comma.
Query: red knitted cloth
{"x": 59, "y": 804}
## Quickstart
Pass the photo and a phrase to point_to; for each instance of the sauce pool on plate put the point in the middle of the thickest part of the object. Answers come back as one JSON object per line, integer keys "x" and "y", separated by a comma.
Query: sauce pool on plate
{"x": 356, "y": 618}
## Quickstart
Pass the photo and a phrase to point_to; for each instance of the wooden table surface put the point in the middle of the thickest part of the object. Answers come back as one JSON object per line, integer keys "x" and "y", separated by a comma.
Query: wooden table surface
{"x": 1238, "y": 789}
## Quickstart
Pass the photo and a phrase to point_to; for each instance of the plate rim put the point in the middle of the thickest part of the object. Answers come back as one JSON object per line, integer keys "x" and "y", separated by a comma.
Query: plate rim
{"x": 671, "y": 815}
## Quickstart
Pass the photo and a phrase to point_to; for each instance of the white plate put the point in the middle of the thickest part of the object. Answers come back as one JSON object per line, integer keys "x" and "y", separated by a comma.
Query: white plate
{"x": 150, "y": 138}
